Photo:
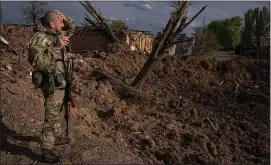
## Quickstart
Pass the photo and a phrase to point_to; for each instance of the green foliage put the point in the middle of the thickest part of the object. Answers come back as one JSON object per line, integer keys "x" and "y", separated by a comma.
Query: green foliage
{"x": 227, "y": 31}
{"x": 208, "y": 55}
{"x": 257, "y": 24}
{"x": 205, "y": 40}
{"x": 247, "y": 31}
{"x": 118, "y": 25}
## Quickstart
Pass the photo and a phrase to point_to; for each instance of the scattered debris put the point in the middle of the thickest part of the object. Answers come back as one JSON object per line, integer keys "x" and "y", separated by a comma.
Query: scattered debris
{"x": 211, "y": 123}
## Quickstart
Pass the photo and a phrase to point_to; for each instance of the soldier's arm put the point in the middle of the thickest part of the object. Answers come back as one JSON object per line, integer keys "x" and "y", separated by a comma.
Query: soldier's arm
{"x": 69, "y": 26}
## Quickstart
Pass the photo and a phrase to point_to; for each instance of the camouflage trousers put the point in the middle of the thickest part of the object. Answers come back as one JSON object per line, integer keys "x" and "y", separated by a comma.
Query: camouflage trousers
{"x": 53, "y": 116}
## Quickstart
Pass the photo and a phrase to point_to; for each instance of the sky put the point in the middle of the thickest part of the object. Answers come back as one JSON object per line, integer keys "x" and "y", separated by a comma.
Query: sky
{"x": 141, "y": 15}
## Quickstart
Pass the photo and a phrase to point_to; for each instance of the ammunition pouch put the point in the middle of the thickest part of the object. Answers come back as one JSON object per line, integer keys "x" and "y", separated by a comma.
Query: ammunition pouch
{"x": 54, "y": 79}
{"x": 58, "y": 78}
{"x": 37, "y": 79}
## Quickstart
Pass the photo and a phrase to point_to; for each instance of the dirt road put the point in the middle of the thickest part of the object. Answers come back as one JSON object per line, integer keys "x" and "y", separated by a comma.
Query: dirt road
{"x": 225, "y": 55}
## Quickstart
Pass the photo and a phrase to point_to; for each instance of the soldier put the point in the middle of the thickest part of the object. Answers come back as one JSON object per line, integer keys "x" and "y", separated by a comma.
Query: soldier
{"x": 44, "y": 54}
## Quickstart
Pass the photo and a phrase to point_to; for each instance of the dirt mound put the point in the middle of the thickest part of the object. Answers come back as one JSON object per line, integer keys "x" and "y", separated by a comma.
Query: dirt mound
{"x": 196, "y": 112}
{"x": 205, "y": 110}
{"x": 124, "y": 62}
{"x": 120, "y": 61}
{"x": 18, "y": 36}
{"x": 199, "y": 111}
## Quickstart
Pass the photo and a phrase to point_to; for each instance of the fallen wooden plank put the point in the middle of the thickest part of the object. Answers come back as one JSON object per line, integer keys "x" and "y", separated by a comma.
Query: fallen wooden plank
{"x": 125, "y": 88}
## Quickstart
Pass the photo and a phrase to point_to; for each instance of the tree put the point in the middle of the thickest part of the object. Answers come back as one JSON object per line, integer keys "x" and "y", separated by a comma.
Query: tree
{"x": 211, "y": 43}
{"x": 205, "y": 40}
{"x": 1, "y": 15}
{"x": 33, "y": 11}
{"x": 118, "y": 25}
{"x": 256, "y": 25}
{"x": 94, "y": 18}
{"x": 266, "y": 21}
{"x": 227, "y": 31}
{"x": 247, "y": 33}
{"x": 168, "y": 37}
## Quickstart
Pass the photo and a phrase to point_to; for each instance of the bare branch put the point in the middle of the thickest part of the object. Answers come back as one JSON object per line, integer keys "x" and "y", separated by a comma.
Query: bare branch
{"x": 181, "y": 19}
{"x": 169, "y": 36}
{"x": 98, "y": 21}
{"x": 1, "y": 13}
{"x": 179, "y": 30}
{"x": 195, "y": 16}
{"x": 33, "y": 11}
{"x": 131, "y": 37}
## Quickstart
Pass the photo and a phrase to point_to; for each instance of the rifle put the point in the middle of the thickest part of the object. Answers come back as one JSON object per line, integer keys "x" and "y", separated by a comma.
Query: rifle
{"x": 68, "y": 67}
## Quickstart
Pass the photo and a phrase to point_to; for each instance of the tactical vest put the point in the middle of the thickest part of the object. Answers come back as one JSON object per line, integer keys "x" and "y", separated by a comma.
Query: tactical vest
{"x": 50, "y": 56}
{"x": 54, "y": 57}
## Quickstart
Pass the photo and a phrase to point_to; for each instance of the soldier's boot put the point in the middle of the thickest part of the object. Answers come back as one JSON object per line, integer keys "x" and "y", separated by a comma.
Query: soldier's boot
{"x": 62, "y": 141}
{"x": 48, "y": 156}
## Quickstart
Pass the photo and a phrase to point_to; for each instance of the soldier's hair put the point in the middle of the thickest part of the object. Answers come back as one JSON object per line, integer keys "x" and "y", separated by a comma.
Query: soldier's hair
{"x": 49, "y": 17}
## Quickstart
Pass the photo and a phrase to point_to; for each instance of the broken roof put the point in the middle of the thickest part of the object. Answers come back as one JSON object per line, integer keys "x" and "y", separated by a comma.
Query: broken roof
{"x": 133, "y": 31}
{"x": 140, "y": 31}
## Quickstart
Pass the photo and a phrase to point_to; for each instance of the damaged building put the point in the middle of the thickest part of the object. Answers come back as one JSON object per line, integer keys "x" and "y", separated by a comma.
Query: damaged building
{"x": 142, "y": 39}
{"x": 92, "y": 39}
{"x": 186, "y": 47}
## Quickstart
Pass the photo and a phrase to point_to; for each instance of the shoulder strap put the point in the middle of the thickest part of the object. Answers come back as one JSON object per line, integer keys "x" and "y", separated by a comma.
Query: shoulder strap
{"x": 31, "y": 39}
{"x": 52, "y": 37}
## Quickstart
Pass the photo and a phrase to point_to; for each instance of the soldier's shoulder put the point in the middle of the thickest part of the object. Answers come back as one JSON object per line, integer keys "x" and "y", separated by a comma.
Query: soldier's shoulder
{"x": 40, "y": 35}
{"x": 40, "y": 39}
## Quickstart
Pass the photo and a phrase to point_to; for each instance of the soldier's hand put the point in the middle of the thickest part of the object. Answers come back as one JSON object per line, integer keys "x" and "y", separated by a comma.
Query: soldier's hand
{"x": 64, "y": 41}
{"x": 61, "y": 16}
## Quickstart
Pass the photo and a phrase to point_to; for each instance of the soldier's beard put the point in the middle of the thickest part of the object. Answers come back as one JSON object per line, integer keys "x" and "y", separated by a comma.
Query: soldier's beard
{"x": 58, "y": 30}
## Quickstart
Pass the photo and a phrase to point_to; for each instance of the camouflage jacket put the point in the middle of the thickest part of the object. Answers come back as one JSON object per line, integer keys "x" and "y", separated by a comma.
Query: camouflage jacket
{"x": 42, "y": 53}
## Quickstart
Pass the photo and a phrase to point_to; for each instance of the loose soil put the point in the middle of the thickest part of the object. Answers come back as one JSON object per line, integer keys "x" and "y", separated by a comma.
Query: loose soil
{"x": 191, "y": 111}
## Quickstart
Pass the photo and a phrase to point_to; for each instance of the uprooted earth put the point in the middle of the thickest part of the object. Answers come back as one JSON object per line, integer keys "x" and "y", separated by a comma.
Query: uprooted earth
{"x": 191, "y": 111}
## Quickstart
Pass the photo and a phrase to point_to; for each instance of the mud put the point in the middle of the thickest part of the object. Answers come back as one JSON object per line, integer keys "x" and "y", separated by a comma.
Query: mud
{"x": 194, "y": 112}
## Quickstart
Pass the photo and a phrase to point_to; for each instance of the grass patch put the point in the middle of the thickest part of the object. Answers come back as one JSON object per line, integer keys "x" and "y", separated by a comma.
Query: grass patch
{"x": 208, "y": 55}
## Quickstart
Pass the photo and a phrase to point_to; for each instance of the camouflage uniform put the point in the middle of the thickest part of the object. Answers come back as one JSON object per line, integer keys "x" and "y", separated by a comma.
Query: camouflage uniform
{"x": 46, "y": 58}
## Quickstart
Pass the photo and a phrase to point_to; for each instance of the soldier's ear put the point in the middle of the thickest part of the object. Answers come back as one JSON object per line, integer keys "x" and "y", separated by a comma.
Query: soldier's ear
{"x": 52, "y": 24}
